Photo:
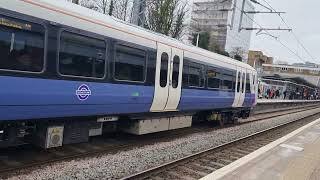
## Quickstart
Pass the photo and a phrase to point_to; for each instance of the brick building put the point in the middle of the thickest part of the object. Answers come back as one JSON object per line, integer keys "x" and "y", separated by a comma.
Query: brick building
{"x": 256, "y": 59}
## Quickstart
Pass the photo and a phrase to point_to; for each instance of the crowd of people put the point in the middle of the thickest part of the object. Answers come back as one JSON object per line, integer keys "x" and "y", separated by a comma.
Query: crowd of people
{"x": 303, "y": 94}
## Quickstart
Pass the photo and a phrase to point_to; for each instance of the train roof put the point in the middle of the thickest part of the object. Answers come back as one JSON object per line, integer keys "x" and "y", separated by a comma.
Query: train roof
{"x": 85, "y": 18}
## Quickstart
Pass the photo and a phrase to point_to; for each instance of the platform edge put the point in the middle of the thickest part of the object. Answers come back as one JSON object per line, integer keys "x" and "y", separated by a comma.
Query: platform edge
{"x": 220, "y": 173}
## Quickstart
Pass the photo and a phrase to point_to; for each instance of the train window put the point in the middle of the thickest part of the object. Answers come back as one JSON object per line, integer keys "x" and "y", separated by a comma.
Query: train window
{"x": 213, "y": 78}
{"x": 239, "y": 84}
{"x": 175, "y": 74}
{"x": 81, "y": 56}
{"x": 248, "y": 88}
{"x": 196, "y": 75}
{"x": 185, "y": 74}
{"x": 130, "y": 64}
{"x": 234, "y": 74}
{"x": 21, "y": 45}
{"x": 164, "y": 69}
{"x": 151, "y": 67}
{"x": 227, "y": 82}
{"x": 202, "y": 76}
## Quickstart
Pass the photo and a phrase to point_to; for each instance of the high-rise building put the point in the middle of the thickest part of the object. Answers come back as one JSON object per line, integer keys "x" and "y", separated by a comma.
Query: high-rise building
{"x": 222, "y": 19}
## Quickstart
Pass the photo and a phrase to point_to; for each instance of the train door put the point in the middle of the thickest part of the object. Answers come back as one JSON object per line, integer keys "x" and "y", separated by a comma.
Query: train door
{"x": 243, "y": 88}
{"x": 175, "y": 79}
{"x": 239, "y": 95}
{"x": 255, "y": 87}
{"x": 251, "y": 82}
{"x": 237, "y": 89}
{"x": 168, "y": 79}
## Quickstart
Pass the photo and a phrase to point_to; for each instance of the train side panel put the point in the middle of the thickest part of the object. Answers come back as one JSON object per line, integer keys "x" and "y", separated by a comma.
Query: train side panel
{"x": 193, "y": 99}
{"x": 30, "y": 98}
{"x": 249, "y": 100}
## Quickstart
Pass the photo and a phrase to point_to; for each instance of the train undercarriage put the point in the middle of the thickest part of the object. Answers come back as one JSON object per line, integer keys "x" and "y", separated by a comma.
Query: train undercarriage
{"x": 50, "y": 133}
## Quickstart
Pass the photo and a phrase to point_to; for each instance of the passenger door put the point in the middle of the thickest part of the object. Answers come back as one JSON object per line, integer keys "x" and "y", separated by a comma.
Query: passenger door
{"x": 240, "y": 87}
{"x": 255, "y": 87}
{"x": 175, "y": 79}
{"x": 237, "y": 89}
{"x": 243, "y": 88}
{"x": 168, "y": 79}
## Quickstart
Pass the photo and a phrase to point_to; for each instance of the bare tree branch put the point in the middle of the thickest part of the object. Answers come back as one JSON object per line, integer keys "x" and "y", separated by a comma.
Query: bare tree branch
{"x": 166, "y": 16}
{"x": 75, "y": 1}
{"x": 163, "y": 16}
{"x": 178, "y": 26}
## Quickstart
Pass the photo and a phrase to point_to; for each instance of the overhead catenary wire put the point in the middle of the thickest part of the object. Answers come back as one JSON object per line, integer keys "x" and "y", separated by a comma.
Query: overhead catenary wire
{"x": 294, "y": 35}
{"x": 277, "y": 39}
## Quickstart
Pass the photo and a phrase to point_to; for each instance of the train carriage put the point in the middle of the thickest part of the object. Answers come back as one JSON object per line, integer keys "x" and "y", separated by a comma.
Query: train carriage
{"x": 68, "y": 70}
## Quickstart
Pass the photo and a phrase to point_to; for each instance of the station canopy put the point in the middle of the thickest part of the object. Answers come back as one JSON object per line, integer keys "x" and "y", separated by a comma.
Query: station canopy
{"x": 296, "y": 80}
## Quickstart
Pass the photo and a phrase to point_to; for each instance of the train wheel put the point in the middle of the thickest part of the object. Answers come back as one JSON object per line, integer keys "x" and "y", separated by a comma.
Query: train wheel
{"x": 223, "y": 119}
{"x": 221, "y": 122}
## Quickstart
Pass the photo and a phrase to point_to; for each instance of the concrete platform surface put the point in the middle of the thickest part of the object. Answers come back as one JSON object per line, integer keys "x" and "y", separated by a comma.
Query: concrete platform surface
{"x": 297, "y": 157}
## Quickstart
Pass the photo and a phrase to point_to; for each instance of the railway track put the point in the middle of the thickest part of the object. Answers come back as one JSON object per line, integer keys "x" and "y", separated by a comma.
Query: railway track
{"x": 259, "y": 116}
{"x": 275, "y": 110}
{"x": 12, "y": 160}
{"x": 201, "y": 164}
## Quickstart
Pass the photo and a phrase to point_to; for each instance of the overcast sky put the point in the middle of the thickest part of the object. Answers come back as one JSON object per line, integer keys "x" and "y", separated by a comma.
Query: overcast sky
{"x": 303, "y": 16}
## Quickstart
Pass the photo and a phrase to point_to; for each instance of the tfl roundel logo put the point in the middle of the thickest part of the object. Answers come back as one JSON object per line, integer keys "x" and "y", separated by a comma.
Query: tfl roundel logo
{"x": 83, "y": 92}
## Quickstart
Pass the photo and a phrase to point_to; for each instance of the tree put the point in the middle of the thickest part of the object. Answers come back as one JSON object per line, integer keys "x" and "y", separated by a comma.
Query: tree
{"x": 238, "y": 57}
{"x": 179, "y": 20}
{"x": 204, "y": 43}
{"x": 119, "y": 8}
{"x": 225, "y": 53}
{"x": 102, "y": 6}
{"x": 238, "y": 53}
{"x": 76, "y": 1}
{"x": 111, "y": 8}
{"x": 203, "y": 40}
{"x": 166, "y": 16}
{"x": 97, "y": 5}
{"x": 162, "y": 16}
{"x": 214, "y": 47}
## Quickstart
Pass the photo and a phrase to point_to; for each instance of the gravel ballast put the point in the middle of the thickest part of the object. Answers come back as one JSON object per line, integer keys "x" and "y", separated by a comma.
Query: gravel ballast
{"x": 115, "y": 166}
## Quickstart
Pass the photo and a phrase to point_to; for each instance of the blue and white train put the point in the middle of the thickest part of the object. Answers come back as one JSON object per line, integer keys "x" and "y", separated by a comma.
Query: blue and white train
{"x": 68, "y": 73}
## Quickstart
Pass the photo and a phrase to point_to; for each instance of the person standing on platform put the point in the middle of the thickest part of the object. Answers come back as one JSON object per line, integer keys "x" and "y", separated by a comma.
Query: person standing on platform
{"x": 277, "y": 93}
{"x": 268, "y": 93}
{"x": 284, "y": 94}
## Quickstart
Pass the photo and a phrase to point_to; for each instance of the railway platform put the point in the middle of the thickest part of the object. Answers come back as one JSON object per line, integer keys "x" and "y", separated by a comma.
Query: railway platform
{"x": 264, "y": 101}
{"x": 294, "y": 156}
{"x": 273, "y": 105}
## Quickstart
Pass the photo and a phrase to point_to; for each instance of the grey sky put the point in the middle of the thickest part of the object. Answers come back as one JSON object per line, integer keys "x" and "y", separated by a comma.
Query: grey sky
{"x": 302, "y": 16}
